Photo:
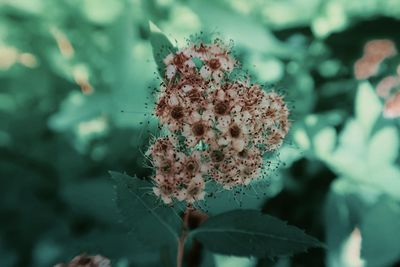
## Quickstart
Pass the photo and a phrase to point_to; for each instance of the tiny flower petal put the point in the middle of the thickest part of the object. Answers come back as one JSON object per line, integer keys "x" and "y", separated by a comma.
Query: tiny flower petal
{"x": 205, "y": 72}
{"x": 170, "y": 72}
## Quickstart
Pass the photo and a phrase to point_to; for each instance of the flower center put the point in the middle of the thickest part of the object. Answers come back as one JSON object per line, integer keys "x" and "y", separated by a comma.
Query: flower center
{"x": 234, "y": 131}
{"x": 221, "y": 108}
{"x": 179, "y": 59}
{"x": 270, "y": 112}
{"x": 214, "y": 64}
{"x": 166, "y": 189}
{"x": 201, "y": 48}
{"x": 217, "y": 156}
{"x": 193, "y": 191}
{"x": 198, "y": 129}
{"x": 243, "y": 153}
{"x": 192, "y": 166}
{"x": 165, "y": 168}
{"x": 161, "y": 105}
{"x": 194, "y": 95}
{"x": 177, "y": 112}
{"x": 161, "y": 145}
{"x": 84, "y": 261}
{"x": 275, "y": 138}
{"x": 248, "y": 171}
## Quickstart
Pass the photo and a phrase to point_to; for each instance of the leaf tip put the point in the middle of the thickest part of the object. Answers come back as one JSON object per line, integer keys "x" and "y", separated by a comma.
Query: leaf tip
{"x": 153, "y": 27}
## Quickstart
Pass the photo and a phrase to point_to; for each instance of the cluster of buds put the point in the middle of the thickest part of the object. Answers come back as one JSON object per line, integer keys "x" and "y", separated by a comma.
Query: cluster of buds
{"x": 87, "y": 261}
{"x": 219, "y": 127}
{"x": 388, "y": 88}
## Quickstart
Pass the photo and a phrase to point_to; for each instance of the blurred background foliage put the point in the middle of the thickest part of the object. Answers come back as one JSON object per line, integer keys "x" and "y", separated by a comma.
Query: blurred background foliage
{"x": 75, "y": 97}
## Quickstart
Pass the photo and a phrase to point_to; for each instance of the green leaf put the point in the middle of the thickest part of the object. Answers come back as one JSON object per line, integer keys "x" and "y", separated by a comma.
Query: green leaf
{"x": 367, "y": 161}
{"x": 221, "y": 200}
{"x": 150, "y": 221}
{"x": 316, "y": 135}
{"x": 113, "y": 242}
{"x": 325, "y": 141}
{"x": 208, "y": 259}
{"x": 345, "y": 205}
{"x": 383, "y": 147}
{"x": 368, "y": 107}
{"x": 229, "y": 261}
{"x": 91, "y": 198}
{"x": 104, "y": 12}
{"x": 251, "y": 233}
{"x": 301, "y": 138}
{"x": 161, "y": 47}
{"x": 247, "y": 33}
{"x": 76, "y": 108}
{"x": 379, "y": 231}
{"x": 349, "y": 158}
{"x": 31, "y": 7}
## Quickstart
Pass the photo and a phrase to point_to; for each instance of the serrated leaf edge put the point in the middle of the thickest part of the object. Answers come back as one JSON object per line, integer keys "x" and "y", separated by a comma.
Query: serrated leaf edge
{"x": 166, "y": 225}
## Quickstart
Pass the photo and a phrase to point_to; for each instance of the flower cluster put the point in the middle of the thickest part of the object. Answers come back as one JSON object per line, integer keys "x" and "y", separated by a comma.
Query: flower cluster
{"x": 87, "y": 261}
{"x": 220, "y": 127}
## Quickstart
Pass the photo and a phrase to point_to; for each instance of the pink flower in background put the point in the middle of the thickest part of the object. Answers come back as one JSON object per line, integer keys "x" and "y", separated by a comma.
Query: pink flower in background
{"x": 375, "y": 52}
{"x": 389, "y": 89}
{"x": 365, "y": 68}
{"x": 380, "y": 49}
{"x": 392, "y": 106}
{"x": 386, "y": 85}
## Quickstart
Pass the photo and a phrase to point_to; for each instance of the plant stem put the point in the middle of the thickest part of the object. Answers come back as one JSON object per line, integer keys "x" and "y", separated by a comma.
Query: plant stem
{"x": 182, "y": 238}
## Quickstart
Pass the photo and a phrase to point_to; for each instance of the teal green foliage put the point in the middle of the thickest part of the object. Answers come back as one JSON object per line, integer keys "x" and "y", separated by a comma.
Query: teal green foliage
{"x": 384, "y": 215}
{"x": 249, "y": 232}
{"x": 240, "y": 232}
{"x": 337, "y": 173}
{"x": 146, "y": 217}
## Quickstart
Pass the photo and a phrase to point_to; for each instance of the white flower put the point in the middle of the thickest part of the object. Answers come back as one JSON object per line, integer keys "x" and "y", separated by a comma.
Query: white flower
{"x": 178, "y": 62}
{"x": 170, "y": 71}
{"x": 166, "y": 198}
{"x": 198, "y": 127}
{"x": 195, "y": 190}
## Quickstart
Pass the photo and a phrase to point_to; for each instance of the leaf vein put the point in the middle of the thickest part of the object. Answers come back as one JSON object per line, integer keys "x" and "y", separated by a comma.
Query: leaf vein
{"x": 250, "y": 233}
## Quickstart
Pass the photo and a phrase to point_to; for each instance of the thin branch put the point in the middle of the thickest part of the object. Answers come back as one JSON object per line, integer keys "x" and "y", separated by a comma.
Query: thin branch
{"x": 182, "y": 238}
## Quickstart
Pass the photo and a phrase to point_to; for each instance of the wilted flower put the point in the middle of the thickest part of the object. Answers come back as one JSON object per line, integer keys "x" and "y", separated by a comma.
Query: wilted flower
{"x": 219, "y": 127}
